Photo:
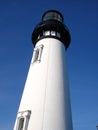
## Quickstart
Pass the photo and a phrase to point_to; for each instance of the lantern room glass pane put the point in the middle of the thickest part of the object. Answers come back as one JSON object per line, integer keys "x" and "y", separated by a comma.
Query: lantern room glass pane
{"x": 52, "y": 16}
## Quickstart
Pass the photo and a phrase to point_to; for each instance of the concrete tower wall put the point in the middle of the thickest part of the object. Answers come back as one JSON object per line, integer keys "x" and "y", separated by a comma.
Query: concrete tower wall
{"x": 46, "y": 92}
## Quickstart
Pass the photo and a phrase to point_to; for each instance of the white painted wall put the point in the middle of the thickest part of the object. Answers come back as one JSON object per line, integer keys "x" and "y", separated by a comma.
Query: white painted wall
{"x": 46, "y": 92}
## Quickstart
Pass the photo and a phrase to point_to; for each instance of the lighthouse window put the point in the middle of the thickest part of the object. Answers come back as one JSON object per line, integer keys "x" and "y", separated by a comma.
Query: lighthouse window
{"x": 37, "y": 53}
{"x": 47, "y": 33}
{"x": 58, "y": 34}
{"x": 53, "y": 33}
{"x": 38, "y": 36}
{"x": 21, "y": 124}
{"x": 22, "y": 120}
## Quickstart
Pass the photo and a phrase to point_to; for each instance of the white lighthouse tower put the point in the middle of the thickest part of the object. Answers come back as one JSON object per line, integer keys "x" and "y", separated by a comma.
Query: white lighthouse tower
{"x": 45, "y": 103}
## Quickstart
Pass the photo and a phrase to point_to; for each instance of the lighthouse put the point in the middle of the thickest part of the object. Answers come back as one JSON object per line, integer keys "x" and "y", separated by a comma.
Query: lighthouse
{"x": 45, "y": 102}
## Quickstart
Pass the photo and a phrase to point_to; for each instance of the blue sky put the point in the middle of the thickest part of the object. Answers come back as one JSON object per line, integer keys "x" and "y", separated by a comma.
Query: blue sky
{"x": 17, "y": 21}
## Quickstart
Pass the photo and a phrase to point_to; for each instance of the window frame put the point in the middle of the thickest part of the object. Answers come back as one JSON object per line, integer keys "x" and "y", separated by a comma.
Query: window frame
{"x": 37, "y": 54}
{"x": 25, "y": 115}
